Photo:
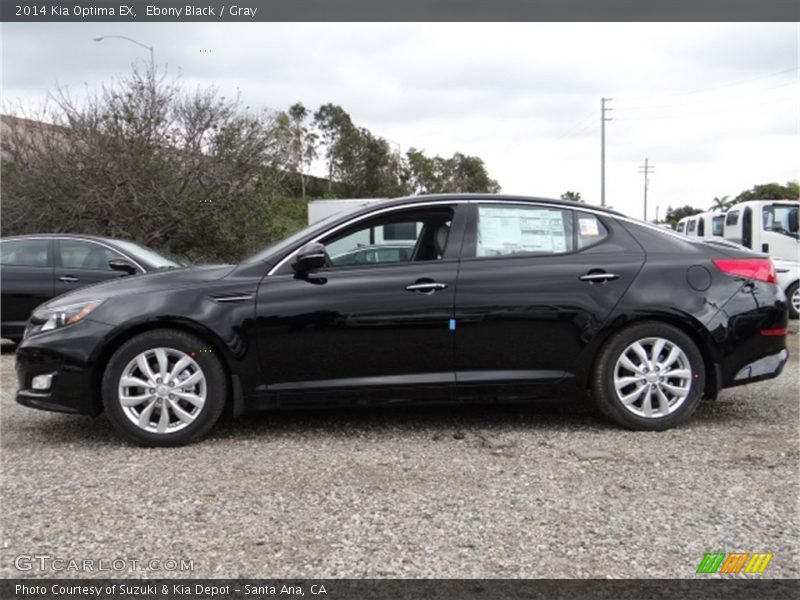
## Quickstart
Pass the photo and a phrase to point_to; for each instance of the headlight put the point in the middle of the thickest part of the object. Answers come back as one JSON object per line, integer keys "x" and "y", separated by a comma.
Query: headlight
{"x": 56, "y": 317}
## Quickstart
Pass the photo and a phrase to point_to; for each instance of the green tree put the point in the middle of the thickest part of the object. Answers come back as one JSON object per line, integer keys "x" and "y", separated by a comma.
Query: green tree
{"x": 676, "y": 214}
{"x": 461, "y": 173}
{"x": 300, "y": 141}
{"x": 143, "y": 158}
{"x": 720, "y": 204}
{"x": 770, "y": 191}
{"x": 574, "y": 196}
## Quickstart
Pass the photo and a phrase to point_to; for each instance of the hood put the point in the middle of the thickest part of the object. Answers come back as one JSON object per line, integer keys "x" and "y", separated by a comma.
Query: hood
{"x": 149, "y": 282}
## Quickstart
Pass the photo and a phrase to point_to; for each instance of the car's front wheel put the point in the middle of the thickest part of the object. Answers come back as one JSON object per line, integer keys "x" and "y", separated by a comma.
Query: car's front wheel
{"x": 649, "y": 376}
{"x": 164, "y": 388}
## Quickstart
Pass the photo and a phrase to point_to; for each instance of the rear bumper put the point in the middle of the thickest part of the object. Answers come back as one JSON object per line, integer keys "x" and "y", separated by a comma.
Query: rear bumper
{"x": 763, "y": 368}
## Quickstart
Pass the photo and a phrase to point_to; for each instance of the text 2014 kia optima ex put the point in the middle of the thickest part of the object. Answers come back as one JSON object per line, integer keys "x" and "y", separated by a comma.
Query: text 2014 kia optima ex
{"x": 489, "y": 297}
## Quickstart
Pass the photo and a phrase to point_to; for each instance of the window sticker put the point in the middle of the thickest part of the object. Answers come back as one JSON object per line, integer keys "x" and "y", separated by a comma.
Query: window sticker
{"x": 512, "y": 230}
{"x": 588, "y": 227}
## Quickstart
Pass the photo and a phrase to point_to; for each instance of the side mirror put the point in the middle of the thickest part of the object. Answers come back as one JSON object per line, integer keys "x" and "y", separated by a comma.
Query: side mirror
{"x": 310, "y": 258}
{"x": 123, "y": 265}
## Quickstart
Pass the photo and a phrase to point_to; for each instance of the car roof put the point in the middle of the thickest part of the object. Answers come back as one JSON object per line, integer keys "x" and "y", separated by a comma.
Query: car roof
{"x": 77, "y": 236}
{"x": 495, "y": 197}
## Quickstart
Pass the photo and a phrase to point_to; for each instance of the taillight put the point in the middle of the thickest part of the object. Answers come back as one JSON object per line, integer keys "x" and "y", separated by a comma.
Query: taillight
{"x": 760, "y": 269}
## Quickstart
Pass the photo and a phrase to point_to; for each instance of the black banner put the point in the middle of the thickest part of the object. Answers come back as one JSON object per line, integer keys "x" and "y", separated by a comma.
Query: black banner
{"x": 399, "y": 10}
{"x": 395, "y": 589}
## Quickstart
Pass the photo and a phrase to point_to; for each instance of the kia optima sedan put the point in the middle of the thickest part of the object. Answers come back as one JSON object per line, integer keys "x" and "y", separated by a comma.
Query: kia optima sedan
{"x": 502, "y": 298}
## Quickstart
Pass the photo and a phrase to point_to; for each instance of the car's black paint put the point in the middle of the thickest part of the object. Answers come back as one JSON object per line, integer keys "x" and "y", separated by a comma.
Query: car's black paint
{"x": 502, "y": 328}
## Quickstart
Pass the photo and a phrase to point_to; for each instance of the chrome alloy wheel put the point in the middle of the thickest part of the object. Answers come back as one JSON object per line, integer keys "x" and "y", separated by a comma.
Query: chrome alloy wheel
{"x": 795, "y": 300}
{"x": 162, "y": 390}
{"x": 652, "y": 377}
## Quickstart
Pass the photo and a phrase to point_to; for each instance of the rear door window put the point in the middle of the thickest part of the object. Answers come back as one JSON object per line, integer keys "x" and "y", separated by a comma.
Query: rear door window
{"x": 26, "y": 253}
{"x": 514, "y": 229}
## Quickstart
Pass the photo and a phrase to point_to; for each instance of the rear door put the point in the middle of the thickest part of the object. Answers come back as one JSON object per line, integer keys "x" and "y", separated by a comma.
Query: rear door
{"x": 27, "y": 280}
{"x": 535, "y": 283}
{"x": 82, "y": 262}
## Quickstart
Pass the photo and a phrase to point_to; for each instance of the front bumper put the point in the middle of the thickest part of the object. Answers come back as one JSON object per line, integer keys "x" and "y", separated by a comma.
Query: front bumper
{"x": 68, "y": 355}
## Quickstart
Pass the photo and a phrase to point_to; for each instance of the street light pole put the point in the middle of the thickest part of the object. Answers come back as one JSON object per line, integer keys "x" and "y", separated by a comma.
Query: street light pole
{"x": 125, "y": 37}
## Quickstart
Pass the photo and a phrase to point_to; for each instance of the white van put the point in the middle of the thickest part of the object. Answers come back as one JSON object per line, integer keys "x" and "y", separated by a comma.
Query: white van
{"x": 768, "y": 226}
{"x": 705, "y": 225}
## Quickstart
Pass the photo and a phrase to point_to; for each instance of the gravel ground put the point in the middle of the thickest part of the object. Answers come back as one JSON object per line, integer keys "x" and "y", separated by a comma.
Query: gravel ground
{"x": 526, "y": 491}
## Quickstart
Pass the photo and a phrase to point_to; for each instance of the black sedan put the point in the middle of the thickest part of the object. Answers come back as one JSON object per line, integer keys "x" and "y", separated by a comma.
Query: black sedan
{"x": 503, "y": 298}
{"x": 36, "y": 268}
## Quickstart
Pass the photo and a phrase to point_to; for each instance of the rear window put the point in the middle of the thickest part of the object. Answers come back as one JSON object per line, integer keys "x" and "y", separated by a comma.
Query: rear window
{"x": 590, "y": 230}
{"x": 681, "y": 227}
{"x": 519, "y": 229}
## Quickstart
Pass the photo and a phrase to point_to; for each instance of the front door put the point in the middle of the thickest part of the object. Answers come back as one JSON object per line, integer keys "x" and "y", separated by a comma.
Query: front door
{"x": 376, "y": 319}
{"x": 81, "y": 262}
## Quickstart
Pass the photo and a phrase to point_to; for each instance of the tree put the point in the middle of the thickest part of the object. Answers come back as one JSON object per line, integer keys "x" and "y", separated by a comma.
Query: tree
{"x": 461, "y": 173}
{"x": 674, "y": 215}
{"x": 338, "y": 134}
{"x": 301, "y": 142}
{"x": 189, "y": 172}
{"x": 574, "y": 196}
{"x": 770, "y": 191}
{"x": 720, "y": 204}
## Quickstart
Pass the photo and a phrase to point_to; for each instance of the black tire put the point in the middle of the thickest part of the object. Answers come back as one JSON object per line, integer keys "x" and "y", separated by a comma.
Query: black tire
{"x": 212, "y": 370}
{"x": 791, "y": 291}
{"x": 602, "y": 379}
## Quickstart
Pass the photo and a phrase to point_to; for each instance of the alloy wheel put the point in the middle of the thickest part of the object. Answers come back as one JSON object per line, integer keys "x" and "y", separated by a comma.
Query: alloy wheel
{"x": 652, "y": 377}
{"x": 162, "y": 390}
{"x": 795, "y": 299}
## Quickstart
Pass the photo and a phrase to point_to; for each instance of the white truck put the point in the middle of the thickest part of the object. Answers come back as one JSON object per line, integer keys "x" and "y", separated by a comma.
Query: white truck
{"x": 321, "y": 209}
{"x": 767, "y": 226}
{"x": 707, "y": 225}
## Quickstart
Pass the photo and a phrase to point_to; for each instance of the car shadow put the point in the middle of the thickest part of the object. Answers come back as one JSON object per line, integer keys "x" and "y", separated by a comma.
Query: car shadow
{"x": 7, "y": 346}
{"x": 434, "y": 421}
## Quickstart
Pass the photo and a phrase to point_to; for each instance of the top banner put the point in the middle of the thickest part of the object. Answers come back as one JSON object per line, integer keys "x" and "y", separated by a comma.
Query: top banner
{"x": 399, "y": 10}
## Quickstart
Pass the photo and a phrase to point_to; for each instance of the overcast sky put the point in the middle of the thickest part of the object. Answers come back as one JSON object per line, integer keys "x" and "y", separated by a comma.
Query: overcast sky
{"x": 715, "y": 107}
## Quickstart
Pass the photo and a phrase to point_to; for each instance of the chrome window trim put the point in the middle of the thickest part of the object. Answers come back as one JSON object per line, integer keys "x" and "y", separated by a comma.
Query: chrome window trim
{"x": 76, "y": 239}
{"x": 587, "y": 208}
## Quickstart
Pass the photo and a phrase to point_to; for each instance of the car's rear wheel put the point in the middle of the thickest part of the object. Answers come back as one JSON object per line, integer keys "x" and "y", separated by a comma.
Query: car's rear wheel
{"x": 164, "y": 388}
{"x": 649, "y": 376}
{"x": 793, "y": 295}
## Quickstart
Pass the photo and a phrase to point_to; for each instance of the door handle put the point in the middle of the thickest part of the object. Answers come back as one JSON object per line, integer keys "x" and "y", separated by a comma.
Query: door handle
{"x": 68, "y": 279}
{"x": 426, "y": 288}
{"x": 599, "y": 277}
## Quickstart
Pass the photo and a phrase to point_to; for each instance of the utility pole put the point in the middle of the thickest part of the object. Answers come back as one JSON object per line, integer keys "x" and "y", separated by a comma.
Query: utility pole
{"x": 603, "y": 110}
{"x": 646, "y": 170}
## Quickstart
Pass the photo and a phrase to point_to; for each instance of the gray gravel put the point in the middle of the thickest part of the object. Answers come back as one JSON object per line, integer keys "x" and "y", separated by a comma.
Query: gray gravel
{"x": 533, "y": 491}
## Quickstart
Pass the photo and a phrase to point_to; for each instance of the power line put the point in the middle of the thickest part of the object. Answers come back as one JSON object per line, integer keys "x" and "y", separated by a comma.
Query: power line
{"x": 719, "y": 87}
{"x": 713, "y": 99}
{"x": 792, "y": 96}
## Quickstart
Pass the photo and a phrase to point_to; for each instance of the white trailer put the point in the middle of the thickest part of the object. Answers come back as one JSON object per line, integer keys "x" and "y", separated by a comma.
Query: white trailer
{"x": 321, "y": 209}
{"x": 705, "y": 225}
{"x": 768, "y": 226}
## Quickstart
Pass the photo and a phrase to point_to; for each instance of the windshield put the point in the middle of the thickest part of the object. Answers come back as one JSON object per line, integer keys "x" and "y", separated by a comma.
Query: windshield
{"x": 147, "y": 255}
{"x": 781, "y": 218}
{"x": 288, "y": 242}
